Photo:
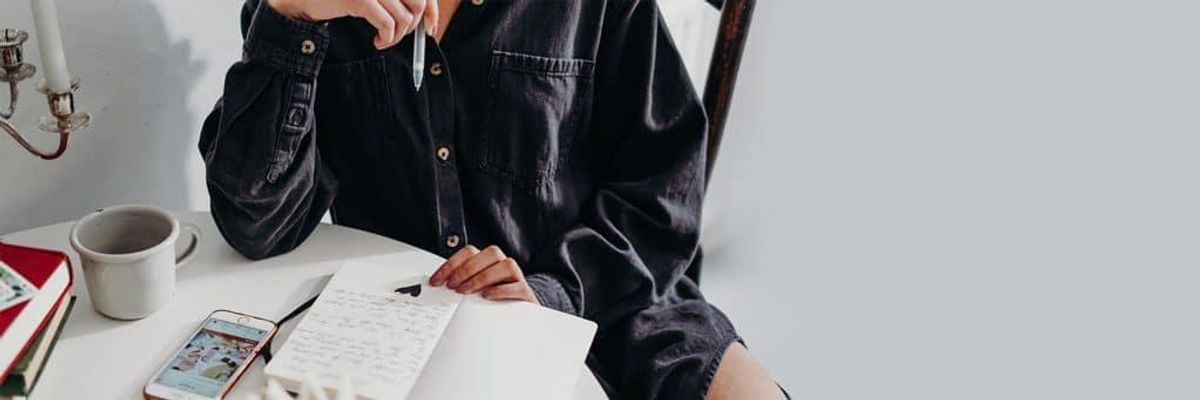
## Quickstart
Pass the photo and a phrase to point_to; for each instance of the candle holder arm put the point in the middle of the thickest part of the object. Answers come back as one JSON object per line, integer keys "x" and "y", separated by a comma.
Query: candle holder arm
{"x": 13, "y": 93}
{"x": 63, "y": 137}
{"x": 63, "y": 118}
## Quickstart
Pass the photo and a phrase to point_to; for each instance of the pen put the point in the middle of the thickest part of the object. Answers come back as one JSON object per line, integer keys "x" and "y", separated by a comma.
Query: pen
{"x": 419, "y": 54}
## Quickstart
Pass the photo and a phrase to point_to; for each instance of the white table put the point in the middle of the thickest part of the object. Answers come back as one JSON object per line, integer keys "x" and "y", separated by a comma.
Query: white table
{"x": 102, "y": 358}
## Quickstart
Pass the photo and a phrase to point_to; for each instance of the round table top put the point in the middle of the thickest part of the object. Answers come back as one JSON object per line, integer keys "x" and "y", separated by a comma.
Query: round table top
{"x": 102, "y": 358}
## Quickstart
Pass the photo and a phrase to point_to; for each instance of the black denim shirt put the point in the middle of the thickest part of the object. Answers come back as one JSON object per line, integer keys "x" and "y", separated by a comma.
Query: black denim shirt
{"x": 565, "y": 132}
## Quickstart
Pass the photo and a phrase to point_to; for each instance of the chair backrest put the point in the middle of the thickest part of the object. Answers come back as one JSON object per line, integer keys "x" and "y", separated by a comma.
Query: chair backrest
{"x": 722, "y": 76}
{"x": 723, "y": 69}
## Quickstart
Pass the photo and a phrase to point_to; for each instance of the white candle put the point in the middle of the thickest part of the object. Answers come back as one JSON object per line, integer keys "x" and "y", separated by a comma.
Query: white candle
{"x": 49, "y": 37}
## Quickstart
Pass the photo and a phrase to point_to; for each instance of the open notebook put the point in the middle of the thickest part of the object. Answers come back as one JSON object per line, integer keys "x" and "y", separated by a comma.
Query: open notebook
{"x": 436, "y": 345}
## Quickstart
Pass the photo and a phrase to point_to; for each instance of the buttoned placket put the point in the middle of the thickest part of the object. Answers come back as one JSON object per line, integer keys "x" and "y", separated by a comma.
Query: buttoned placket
{"x": 438, "y": 94}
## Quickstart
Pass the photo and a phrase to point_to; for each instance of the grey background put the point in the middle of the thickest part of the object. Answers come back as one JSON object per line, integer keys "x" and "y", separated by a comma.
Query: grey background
{"x": 916, "y": 200}
{"x": 966, "y": 199}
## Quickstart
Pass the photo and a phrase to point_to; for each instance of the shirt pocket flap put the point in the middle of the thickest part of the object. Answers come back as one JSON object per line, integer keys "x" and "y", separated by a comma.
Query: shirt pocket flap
{"x": 536, "y": 106}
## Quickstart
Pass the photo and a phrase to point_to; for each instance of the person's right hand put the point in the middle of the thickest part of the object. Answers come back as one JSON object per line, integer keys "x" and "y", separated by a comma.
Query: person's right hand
{"x": 391, "y": 18}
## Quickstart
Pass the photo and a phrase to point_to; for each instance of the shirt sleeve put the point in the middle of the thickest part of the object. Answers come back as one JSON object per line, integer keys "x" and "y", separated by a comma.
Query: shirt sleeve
{"x": 267, "y": 184}
{"x": 638, "y": 233}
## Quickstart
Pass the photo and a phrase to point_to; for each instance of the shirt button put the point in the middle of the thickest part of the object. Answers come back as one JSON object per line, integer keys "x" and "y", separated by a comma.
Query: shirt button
{"x": 443, "y": 153}
{"x": 477, "y": 2}
{"x": 435, "y": 69}
{"x": 452, "y": 241}
{"x": 308, "y": 47}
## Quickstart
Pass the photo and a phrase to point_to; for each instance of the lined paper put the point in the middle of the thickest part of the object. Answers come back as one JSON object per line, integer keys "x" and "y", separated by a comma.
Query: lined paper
{"x": 360, "y": 328}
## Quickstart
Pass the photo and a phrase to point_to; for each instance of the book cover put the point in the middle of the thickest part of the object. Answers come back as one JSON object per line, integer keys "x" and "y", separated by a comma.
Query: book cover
{"x": 50, "y": 272}
{"x": 29, "y": 368}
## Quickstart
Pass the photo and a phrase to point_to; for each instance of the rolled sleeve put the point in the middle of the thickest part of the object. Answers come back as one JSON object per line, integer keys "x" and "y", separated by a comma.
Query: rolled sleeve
{"x": 267, "y": 184}
{"x": 277, "y": 40}
{"x": 551, "y": 293}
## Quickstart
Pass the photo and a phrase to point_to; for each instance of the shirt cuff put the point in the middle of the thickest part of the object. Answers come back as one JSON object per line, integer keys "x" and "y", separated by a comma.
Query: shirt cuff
{"x": 550, "y": 293}
{"x": 285, "y": 43}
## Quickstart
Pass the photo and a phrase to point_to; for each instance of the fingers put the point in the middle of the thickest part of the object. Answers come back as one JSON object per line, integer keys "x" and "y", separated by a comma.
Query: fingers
{"x": 476, "y": 263}
{"x": 432, "y": 16}
{"x": 511, "y": 291}
{"x": 489, "y": 271}
{"x": 443, "y": 272}
{"x": 416, "y": 9}
{"x": 403, "y": 17}
{"x": 398, "y": 14}
{"x": 504, "y": 271}
{"x": 393, "y": 19}
{"x": 378, "y": 16}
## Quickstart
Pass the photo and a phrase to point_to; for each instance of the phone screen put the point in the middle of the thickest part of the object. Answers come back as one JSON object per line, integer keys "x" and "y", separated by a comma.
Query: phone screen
{"x": 210, "y": 358}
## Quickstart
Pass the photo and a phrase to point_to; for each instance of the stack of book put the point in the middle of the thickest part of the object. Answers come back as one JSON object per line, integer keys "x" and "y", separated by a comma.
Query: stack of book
{"x": 35, "y": 301}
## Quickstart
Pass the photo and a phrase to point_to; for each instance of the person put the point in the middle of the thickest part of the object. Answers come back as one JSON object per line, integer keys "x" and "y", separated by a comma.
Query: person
{"x": 554, "y": 154}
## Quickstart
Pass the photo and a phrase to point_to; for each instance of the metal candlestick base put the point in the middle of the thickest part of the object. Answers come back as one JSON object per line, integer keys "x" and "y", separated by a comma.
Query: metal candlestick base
{"x": 63, "y": 118}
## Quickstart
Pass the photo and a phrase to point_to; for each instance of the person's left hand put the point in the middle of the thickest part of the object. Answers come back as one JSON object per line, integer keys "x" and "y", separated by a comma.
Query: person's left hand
{"x": 488, "y": 272}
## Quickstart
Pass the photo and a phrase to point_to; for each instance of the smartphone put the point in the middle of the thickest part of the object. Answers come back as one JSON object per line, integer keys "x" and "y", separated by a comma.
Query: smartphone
{"x": 208, "y": 364}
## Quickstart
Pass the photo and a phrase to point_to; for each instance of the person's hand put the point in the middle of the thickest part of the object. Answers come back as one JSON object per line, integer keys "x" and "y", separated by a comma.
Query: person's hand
{"x": 392, "y": 19}
{"x": 488, "y": 272}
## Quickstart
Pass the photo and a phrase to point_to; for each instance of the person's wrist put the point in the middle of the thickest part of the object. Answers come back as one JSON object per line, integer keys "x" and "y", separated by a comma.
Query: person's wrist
{"x": 550, "y": 293}
{"x": 289, "y": 9}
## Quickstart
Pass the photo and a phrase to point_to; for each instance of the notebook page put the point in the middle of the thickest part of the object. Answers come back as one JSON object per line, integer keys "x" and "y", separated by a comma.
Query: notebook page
{"x": 361, "y": 328}
{"x": 507, "y": 351}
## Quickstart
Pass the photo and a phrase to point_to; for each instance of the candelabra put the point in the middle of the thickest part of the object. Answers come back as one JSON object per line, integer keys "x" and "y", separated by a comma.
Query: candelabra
{"x": 63, "y": 118}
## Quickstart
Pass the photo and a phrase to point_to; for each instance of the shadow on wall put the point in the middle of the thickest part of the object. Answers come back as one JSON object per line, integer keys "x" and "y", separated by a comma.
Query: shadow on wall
{"x": 135, "y": 82}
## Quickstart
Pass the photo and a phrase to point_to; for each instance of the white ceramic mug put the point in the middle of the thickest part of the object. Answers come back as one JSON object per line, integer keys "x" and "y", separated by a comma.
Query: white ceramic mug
{"x": 129, "y": 258}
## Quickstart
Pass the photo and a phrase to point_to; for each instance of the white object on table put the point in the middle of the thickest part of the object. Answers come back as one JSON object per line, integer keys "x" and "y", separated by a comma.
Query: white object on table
{"x": 50, "y": 44}
{"x": 428, "y": 347}
{"x": 362, "y": 327}
{"x": 102, "y": 358}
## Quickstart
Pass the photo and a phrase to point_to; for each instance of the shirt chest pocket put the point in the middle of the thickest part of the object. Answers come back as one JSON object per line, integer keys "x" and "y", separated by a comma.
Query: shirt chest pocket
{"x": 536, "y": 107}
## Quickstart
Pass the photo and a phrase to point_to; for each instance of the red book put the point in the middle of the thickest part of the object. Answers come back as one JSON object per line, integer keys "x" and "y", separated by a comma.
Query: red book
{"x": 50, "y": 272}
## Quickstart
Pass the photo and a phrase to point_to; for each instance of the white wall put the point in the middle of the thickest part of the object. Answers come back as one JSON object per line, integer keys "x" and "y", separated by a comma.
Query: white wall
{"x": 939, "y": 199}
{"x": 150, "y": 71}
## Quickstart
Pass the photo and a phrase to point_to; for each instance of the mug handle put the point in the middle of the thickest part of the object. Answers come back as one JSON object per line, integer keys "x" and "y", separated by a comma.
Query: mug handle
{"x": 187, "y": 255}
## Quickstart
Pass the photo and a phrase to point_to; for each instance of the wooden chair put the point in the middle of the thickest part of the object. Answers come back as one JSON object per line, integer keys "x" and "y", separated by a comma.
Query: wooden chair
{"x": 722, "y": 76}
